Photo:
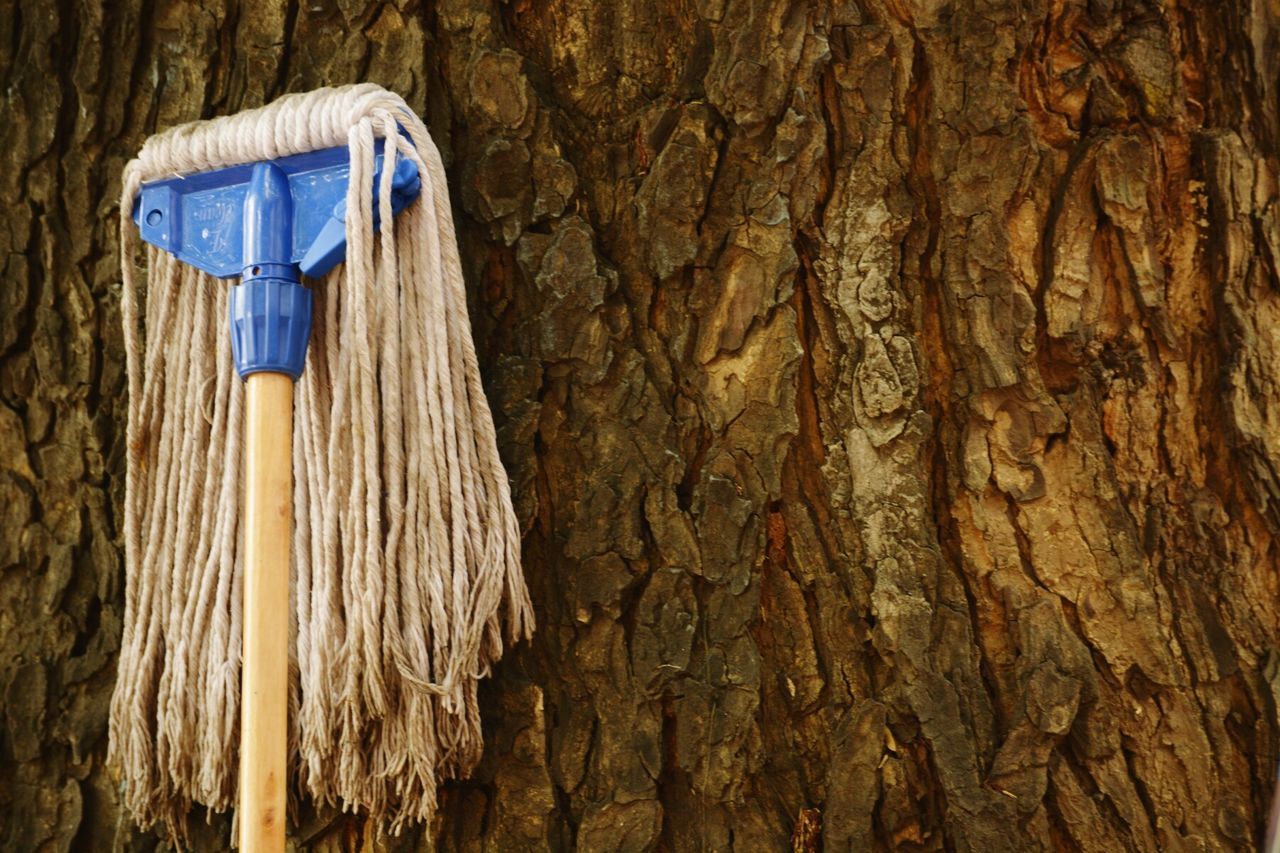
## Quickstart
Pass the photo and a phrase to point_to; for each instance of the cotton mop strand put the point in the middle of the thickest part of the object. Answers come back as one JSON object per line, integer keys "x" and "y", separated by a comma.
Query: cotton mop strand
{"x": 405, "y": 579}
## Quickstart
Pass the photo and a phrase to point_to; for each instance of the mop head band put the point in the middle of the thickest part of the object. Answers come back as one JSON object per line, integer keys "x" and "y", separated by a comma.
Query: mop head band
{"x": 405, "y": 579}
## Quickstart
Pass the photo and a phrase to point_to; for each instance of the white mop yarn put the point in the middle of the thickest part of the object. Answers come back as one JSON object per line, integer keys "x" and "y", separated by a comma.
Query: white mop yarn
{"x": 406, "y": 579}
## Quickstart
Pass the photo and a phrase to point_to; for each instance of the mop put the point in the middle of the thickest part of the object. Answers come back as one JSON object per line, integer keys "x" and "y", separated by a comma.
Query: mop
{"x": 321, "y": 554}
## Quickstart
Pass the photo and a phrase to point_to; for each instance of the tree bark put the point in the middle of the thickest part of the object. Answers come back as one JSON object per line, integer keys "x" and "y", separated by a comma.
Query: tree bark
{"x": 890, "y": 391}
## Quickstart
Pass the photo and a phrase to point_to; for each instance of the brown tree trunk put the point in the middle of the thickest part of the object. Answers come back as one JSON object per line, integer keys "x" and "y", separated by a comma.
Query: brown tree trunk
{"x": 890, "y": 389}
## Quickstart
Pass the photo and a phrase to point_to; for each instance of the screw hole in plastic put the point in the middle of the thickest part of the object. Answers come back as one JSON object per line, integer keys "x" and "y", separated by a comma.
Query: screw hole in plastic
{"x": 154, "y": 217}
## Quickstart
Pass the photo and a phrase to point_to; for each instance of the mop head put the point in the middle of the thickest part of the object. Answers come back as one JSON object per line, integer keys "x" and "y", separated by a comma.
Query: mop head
{"x": 406, "y": 580}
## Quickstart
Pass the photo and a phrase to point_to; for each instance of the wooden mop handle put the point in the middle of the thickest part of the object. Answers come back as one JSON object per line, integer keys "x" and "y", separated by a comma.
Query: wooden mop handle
{"x": 268, "y": 527}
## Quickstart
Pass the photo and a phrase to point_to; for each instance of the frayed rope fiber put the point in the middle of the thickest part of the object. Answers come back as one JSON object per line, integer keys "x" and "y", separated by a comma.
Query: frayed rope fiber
{"x": 406, "y": 579}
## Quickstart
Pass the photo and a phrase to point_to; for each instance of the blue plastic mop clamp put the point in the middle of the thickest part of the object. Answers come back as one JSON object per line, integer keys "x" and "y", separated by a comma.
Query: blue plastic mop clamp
{"x": 269, "y": 223}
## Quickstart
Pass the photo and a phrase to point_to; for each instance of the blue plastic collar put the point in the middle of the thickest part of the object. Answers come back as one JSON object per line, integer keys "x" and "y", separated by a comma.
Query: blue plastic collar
{"x": 270, "y": 326}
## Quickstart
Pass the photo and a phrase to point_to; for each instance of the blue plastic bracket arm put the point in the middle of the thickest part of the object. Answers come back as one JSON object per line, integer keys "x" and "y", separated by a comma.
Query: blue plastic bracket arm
{"x": 269, "y": 223}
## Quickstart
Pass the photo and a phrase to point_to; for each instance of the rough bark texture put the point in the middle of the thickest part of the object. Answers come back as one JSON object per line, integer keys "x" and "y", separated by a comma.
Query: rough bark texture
{"x": 891, "y": 391}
